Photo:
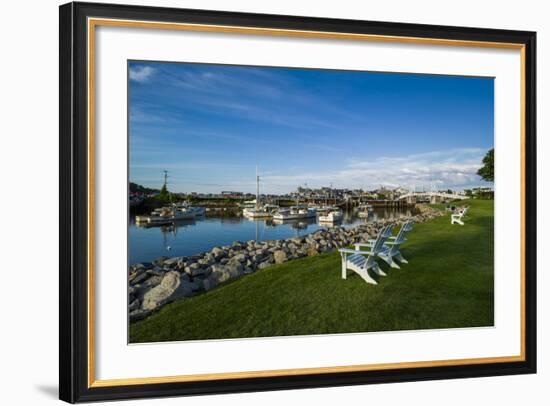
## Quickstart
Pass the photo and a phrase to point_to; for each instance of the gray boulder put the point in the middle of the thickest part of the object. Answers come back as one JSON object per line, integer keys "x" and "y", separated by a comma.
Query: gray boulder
{"x": 193, "y": 268}
{"x": 237, "y": 245}
{"x": 206, "y": 261}
{"x": 236, "y": 272}
{"x": 234, "y": 265}
{"x": 220, "y": 273}
{"x": 134, "y": 305}
{"x": 138, "y": 277}
{"x": 156, "y": 271}
{"x": 240, "y": 258}
{"x": 198, "y": 272}
{"x": 210, "y": 283}
{"x": 171, "y": 261}
{"x": 171, "y": 288}
{"x": 151, "y": 282}
{"x": 257, "y": 258}
{"x": 137, "y": 267}
{"x": 218, "y": 252}
{"x": 279, "y": 256}
{"x": 312, "y": 250}
{"x": 196, "y": 285}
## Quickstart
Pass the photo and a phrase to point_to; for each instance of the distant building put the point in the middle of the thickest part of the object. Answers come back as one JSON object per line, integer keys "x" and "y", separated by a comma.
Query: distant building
{"x": 231, "y": 194}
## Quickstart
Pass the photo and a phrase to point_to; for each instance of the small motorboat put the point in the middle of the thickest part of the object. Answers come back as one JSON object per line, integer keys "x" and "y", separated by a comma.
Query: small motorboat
{"x": 333, "y": 216}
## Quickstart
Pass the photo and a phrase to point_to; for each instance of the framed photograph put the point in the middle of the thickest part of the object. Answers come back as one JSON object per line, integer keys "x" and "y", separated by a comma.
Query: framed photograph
{"x": 256, "y": 202}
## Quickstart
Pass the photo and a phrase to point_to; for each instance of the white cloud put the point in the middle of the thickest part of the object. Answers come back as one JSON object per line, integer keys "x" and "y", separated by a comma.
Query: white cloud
{"x": 141, "y": 73}
{"x": 453, "y": 169}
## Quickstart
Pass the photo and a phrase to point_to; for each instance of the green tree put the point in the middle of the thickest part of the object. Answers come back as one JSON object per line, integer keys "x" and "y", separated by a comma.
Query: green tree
{"x": 134, "y": 187}
{"x": 192, "y": 199}
{"x": 164, "y": 194}
{"x": 487, "y": 171}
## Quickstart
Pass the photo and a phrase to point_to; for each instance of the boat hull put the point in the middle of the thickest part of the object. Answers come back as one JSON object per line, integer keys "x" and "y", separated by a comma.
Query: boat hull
{"x": 333, "y": 217}
{"x": 293, "y": 216}
{"x": 258, "y": 215}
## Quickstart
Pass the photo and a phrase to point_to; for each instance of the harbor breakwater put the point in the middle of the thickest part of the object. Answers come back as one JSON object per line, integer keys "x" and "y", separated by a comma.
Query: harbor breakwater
{"x": 154, "y": 284}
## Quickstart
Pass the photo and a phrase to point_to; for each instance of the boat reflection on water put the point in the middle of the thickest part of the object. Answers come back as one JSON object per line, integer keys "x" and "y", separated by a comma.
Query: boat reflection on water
{"x": 296, "y": 224}
{"x": 274, "y": 227}
{"x": 169, "y": 231}
{"x": 169, "y": 225}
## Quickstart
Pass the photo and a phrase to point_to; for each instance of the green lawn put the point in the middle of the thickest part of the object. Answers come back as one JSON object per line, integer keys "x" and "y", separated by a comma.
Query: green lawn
{"x": 447, "y": 283}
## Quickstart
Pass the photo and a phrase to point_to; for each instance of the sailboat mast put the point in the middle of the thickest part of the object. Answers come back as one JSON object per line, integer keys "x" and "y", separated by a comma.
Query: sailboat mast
{"x": 257, "y": 188}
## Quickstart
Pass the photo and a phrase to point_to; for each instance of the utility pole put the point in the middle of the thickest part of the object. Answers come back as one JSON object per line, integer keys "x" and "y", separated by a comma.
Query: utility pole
{"x": 164, "y": 191}
{"x": 165, "y": 178}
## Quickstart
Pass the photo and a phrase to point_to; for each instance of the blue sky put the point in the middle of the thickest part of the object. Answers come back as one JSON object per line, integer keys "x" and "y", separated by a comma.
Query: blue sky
{"x": 210, "y": 125}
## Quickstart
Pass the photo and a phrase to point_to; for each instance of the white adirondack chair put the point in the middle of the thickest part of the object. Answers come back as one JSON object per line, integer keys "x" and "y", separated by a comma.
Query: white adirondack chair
{"x": 386, "y": 232}
{"x": 408, "y": 226}
{"x": 405, "y": 227}
{"x": 361, "y": 261}
{"x": 457, "y": 218}
{"x": 391, "y": 248}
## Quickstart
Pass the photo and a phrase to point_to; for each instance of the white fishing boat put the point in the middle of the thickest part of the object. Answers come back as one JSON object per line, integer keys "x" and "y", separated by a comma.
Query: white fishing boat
{"x": 165, "y": 215}
{"x": 196, "y": 211}
{"x": 333, "y": 216}
{"x": 265, "y": 211}
{"x": 295, "y": 212}
{"x": 259, "y": 211}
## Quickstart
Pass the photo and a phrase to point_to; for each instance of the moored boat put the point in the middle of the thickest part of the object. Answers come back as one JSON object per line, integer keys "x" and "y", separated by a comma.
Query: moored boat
{"x": 325, "y": 209}
{"x": 333, "y": 216}
{"x": 295, "y": 212}
{"x": 192, "y": 210}
{"x": 165, "y": 215}
{"x": 265, "y": 211}
{"x": 257, "y": 210}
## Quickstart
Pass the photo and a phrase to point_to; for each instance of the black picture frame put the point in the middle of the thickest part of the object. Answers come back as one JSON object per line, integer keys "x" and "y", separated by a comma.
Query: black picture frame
{"x": 73, "y": 284}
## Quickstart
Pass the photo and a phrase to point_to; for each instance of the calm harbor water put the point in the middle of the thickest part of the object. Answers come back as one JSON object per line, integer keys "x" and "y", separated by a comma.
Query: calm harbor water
{"x": 193, "y": 237}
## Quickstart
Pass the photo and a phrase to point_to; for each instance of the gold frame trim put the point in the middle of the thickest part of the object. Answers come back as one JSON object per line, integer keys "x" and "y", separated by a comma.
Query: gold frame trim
{"x": 94, "y": 22}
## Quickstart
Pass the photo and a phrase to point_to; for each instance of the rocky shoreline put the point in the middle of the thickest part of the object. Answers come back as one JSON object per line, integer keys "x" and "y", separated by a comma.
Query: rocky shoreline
{"x": 152, "y": 285}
